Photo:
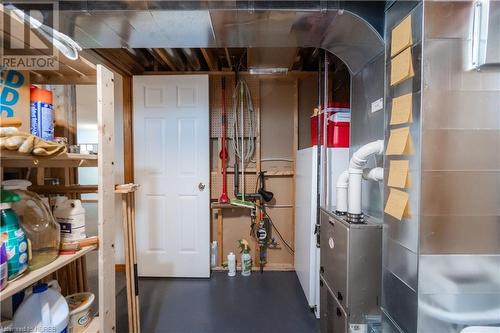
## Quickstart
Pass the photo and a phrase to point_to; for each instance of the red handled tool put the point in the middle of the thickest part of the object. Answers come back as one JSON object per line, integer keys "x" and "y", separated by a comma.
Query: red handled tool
{"x": 223, "y": 153}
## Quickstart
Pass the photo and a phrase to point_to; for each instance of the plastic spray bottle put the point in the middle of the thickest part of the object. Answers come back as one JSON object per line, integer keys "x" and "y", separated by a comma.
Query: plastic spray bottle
{"x": 246, "y": 258}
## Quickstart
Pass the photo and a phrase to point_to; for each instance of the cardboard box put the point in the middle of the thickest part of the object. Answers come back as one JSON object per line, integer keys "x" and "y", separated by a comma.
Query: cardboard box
{"x": 15, "y": 97}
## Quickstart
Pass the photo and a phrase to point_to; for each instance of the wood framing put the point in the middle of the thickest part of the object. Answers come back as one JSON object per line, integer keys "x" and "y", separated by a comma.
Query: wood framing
{"x": 228, "y": 58}
{"x": 295, "y": 148}
{"x": 120, "y": 268}
{"x": 220, "y": 235}
{"x": 210, "y": 60}
{"x": 106, "y": 198}
{"x": 128, "y": 130}
{"x": 165, "y": 58}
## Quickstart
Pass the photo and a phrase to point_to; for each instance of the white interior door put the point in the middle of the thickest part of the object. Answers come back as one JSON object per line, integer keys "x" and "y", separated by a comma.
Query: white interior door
{"x": 171, "y": 163}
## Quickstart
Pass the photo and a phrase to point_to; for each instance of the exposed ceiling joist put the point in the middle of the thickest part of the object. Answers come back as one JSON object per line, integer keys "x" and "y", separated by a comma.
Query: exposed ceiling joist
{"x": 228, "y": 57}
{"x": 210, "y": 59}
{"x": 164, "y": 58}
{"x": 120, "y": 62}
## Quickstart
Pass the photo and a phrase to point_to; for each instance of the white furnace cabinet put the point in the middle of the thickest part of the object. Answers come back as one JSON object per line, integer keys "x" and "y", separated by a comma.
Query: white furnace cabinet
{"x": 307, "y": 255}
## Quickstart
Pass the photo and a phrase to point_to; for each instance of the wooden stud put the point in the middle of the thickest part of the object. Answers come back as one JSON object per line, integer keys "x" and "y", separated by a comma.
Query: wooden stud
{"x": 118, "y": 60}
{"x": 210, "y": 60}
{"x": 106, "y": 216}
{"x": 128, "y": 131}
{"x": 295, "y": 148}
{"x": 40, "y": 176}
{"x": 220, "y": 235}
{"x": 84, "y": 274}
{"x": 165, "y": 58}
{"x": 120, "y": 268}
{"x": 228, "y": 57}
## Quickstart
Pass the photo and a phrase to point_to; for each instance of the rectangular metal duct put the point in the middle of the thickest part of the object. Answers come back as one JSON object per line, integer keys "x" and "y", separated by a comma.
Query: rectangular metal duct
{"x": 441, "y": 264}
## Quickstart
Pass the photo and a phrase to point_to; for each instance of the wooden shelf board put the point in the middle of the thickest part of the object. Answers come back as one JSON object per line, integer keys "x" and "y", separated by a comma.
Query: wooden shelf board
{"x": 216, "y": 205}
{"x": 279, "y": 173}
{"x": 15, "y": 159}
{"x": 31, "y": 277}
{"x": 56, "y": 189}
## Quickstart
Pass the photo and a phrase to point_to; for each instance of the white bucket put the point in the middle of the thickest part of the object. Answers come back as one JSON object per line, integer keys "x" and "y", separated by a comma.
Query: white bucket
{"x": 80, "y": 314}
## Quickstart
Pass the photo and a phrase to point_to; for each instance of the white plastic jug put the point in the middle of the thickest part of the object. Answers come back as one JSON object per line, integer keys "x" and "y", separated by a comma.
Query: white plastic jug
{"x": 231, "y": 264}
{"x": 213, "y": 254}
{"x": 70, "y": 215}
{"x": 43, "y": 310}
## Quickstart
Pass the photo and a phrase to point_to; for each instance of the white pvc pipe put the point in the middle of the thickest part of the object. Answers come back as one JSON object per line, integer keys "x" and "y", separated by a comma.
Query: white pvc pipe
{"x": 375, "y": 174}
{"x": 484, "y": 317}
{"x": 358, "y": 161}
{"x": 481, "y": 329}
{"x": 342, "y": 185}
{"x": 360, "y": 157}
{"x": 354, "y": 191}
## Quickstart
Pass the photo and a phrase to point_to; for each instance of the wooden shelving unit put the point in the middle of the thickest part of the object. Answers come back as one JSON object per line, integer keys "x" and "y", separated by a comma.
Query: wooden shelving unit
{"x": 32, "y": 277}
{"x": 105, "y": 189}
{"x": 14, "y": 159}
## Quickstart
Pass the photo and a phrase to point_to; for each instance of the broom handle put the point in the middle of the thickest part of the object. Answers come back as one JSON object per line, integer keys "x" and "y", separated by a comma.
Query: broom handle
{"x": 224, "y": 172}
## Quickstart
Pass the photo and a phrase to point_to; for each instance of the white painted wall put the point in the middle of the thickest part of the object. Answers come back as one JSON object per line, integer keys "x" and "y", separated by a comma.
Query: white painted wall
{"x": 86, "y": 97}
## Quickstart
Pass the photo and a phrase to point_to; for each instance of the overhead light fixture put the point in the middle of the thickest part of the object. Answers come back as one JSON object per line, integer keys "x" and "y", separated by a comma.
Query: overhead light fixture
{"x": 268, "y": 70}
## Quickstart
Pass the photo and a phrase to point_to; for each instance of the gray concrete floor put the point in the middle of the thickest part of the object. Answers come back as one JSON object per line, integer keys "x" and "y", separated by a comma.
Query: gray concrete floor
{"x": 272, "y": 302}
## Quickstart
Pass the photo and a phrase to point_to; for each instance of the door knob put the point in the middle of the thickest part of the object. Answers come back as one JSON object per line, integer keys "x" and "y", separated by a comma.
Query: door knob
{"x": 201, "y": 186}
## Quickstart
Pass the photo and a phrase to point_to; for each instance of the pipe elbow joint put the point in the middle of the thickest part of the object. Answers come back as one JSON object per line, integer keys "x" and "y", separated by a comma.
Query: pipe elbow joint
{"x": 343, "y": 180}
{"x": 360, "y": 157}
{"x": 375, "y": 174}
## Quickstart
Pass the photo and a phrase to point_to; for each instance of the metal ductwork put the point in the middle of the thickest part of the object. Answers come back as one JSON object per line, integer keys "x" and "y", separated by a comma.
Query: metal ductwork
{"x": 343, "y": 33}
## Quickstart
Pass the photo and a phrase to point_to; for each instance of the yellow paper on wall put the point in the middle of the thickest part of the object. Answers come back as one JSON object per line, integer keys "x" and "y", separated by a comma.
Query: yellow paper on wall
{"x": 402, "y": 67}
{"x": 401, "y": 111}
{"x": 400, "y": 142}
{"x": 401, "y": 36}
{"x": 397, "y": 204}
{"x": 399, "y": 175}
